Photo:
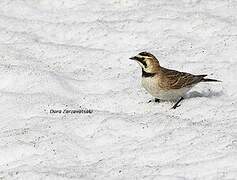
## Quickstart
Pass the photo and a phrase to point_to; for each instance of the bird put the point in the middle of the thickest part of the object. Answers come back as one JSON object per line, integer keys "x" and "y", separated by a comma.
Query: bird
{"x": 166, "y": 84}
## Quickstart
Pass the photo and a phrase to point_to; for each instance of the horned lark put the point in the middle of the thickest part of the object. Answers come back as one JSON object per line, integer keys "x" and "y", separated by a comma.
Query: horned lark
{"x": 166, "y": 84}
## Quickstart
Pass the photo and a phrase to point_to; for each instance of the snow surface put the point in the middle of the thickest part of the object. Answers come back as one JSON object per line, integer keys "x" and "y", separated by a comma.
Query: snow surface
{"x": 71, "y": 54}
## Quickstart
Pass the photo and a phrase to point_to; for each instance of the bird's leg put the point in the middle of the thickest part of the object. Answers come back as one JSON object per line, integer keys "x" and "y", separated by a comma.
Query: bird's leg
{"x": 156, "y": 100}
{"x": 177, "y": 103}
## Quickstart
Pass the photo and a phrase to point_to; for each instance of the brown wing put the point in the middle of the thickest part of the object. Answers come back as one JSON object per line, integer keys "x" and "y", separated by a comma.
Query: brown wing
{"x": 171, "y": 79}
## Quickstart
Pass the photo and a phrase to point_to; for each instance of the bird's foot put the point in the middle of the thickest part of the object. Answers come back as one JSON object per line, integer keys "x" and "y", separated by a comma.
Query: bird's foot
{"x": 177, "y": 103}
{"x": 156, "y": 100}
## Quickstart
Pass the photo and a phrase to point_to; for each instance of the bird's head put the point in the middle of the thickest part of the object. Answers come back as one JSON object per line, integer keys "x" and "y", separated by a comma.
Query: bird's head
{"x": 147, "y": 61}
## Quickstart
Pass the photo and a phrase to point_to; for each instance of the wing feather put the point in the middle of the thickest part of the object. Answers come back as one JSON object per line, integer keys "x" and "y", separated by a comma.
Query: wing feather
{"x": 171, "y": 79}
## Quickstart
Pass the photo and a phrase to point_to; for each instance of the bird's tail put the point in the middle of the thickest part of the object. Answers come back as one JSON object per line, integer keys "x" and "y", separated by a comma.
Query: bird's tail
{"x": 210, "y": 80}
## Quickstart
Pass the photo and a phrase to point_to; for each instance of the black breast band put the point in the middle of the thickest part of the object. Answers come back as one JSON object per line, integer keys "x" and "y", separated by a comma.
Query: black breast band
{"x": 146, "y": 74}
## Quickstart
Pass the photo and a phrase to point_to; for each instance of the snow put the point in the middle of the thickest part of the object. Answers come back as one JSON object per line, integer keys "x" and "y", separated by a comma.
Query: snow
{"x": 69, "y": 54}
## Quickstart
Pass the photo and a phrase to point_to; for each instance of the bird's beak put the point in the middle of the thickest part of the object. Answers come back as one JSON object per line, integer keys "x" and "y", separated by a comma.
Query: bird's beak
{"x": 133, "y": 58}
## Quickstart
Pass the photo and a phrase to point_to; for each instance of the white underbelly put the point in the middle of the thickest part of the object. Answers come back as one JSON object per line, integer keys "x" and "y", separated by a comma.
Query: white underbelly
{"x": 152, "y": 87}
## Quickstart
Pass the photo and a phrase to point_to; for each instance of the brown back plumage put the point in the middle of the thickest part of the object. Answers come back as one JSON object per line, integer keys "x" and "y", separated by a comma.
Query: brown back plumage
{"x": 171, "y": 79}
